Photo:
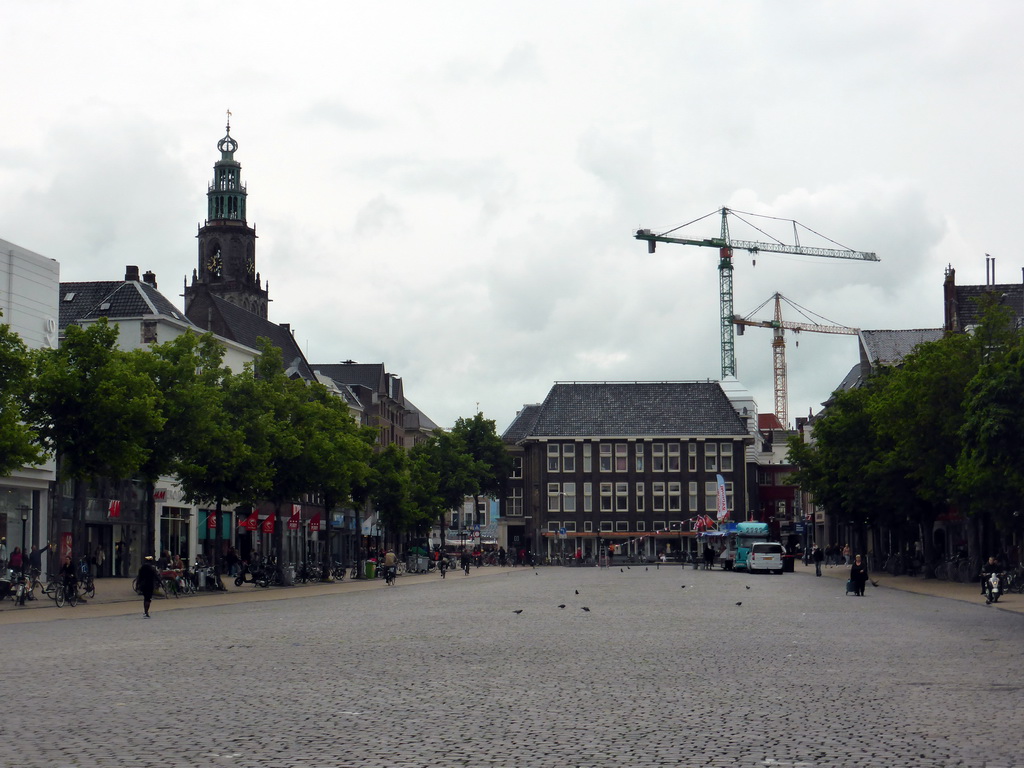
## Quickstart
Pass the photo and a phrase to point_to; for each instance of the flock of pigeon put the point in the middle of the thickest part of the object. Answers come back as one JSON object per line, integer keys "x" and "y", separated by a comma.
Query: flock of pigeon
{"x": 517, "y": 611}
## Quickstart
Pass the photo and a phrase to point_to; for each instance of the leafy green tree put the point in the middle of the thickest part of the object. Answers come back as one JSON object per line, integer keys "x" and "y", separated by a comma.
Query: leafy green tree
{"x": 187, "y": 372}
{"x": 17, "y": 446}
{"x": 443, "y": 474}
{"x": 990, "y": 467}
{"x": 95, "y": 408}
{"x": 390, "y": 490}
{"x": 492, "y": 464}
{"x": 339, "y": 452}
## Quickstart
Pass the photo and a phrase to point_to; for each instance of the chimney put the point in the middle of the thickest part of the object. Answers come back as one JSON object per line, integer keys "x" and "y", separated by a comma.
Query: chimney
{"x": 149, "y": 278}
{"x": 131, "y": 273}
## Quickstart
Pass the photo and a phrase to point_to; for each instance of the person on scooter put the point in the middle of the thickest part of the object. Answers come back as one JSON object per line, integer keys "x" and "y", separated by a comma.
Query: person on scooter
{"x": 992, "y": 566}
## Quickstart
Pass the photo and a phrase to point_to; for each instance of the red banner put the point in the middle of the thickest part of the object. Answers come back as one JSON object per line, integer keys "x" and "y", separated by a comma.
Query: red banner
{"x": 293, "y": 521}
{"x": 114, "y": 508}
{"x": 314, "y": 523}
{"x": 268, "y": 524}
{"x": 252, "y": 522}
{"x": 211, "y": 521}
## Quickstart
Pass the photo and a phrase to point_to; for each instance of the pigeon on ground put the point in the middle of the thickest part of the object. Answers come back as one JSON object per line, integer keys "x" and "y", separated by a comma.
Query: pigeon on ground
{"x": 562, "y": 605}
{"x": 577, "y": 591}
{"x": 621, "y": 571}
{"x": 747, "y": 586}
{"x": 518, "y": 611}
{"x": 683, "y": 586}
{"x": 739, "y": 603}
{"x": 584, "y": 608}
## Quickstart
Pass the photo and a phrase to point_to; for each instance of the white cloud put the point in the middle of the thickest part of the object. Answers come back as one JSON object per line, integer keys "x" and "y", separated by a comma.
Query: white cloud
{"x": 452, "y": 189}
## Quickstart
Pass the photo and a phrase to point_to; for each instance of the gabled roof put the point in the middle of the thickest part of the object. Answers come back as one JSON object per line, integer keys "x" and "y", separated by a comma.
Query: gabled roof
{"x": 369, "y": 375}
{"x": 890, "y": 347}
{"x": 113, "y": 299}
{"x": 246, "y": 328}
{"x": 415, "y": 419}
{"x": 522, "y": 425}
{"x": 631, "y": 409}
{"x": 969, "y": 301}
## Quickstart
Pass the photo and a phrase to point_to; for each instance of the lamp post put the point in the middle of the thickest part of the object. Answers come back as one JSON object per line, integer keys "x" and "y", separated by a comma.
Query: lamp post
{"x": 24, "y": 524}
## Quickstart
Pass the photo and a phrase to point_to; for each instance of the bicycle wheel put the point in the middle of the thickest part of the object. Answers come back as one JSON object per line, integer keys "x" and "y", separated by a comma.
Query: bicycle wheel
{"x": 90, "y": 589}
{"x": 73, "y": 596}
{"x": 59, "y": 596}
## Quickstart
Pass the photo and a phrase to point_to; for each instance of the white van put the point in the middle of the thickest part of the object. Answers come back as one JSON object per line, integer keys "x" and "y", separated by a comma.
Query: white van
{"x": 765, "y": 556}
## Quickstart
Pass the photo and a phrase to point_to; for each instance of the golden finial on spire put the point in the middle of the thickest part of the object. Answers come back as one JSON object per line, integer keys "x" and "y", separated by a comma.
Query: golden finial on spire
{"x": 229, "y": 121}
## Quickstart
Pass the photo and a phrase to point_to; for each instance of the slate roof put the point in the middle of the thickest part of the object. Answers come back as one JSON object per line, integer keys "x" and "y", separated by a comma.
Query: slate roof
{"x": 969, "y": 301}
{"x": 417, "y": 419}
{"x": 113, "y": 299}
{"x": 246, "y": 328}
{"x": 369, "y": 375}
{"x": 630, "y": 409}
{"x": 890, "y": 347}
{"x": 522, "y": 425}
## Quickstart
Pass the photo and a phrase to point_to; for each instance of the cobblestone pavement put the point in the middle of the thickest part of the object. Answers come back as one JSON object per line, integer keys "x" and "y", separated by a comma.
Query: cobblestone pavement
{"x": 728, "y": 670}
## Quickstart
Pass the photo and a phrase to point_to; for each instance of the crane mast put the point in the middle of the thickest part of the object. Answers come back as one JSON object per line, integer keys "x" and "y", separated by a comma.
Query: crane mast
{"x": 779, "y": 326}
{"x": 725, "y": 248}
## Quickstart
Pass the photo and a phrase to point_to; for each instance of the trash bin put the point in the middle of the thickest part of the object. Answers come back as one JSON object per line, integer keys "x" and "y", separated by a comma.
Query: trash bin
{"x": 371, "y": 569}
{"x": 788, "y": 561}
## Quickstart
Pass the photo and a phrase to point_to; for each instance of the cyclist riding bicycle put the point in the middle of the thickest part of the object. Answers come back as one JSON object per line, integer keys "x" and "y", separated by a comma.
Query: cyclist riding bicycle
{"x": 68, "y": 575}
{"x": 390, "y": 567}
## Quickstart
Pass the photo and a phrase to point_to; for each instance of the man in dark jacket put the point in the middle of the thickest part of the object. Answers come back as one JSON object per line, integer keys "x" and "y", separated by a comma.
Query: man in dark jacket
{"x": 147, "y": 581}
{"x": 817, "y": 556}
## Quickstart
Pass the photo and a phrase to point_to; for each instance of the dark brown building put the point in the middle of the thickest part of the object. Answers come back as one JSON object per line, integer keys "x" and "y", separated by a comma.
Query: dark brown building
{"x": 627, "y": 464}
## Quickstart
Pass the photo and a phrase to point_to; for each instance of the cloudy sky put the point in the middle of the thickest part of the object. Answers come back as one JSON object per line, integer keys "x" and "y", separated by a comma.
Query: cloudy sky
{"x": 452, "y": 187}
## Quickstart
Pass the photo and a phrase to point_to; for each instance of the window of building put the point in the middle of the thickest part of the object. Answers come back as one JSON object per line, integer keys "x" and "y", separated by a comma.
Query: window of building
{"x": 641, "y": 525}
{"x": 517, "y": 467}
{"x": 711, "y": 496}
{"x": 553, "y": 526}
{"x": 588, "y": 462}
{"x": 149, "y": 331}
{"x": 675, "y": 497}
{"x": 588, "y": 526}
{"x": 569, "y": 497}
{"x": 726, "y": 457}
{"x": 639, "y": 497}
{"x": 554, "y": 497}
{"x": 514, "y": 502}
{"x": 691, "y": 452}
{"x": 639, "y": 453}
{"x": 606, "y": 526}
{"x": 693, "y": 497}
{"x": 659, "y": 525}
{"x": 622, "y": 497}
{"x": 621, "y": 457}
{"x": 674, "y": 464}
{"x": 553, "y": 457}
{"x": 710, "y": 457}
{"x": 658, "y": 497}
{"x": 605, "y": 458}
{"x": 658, "y": 457}
{"x": 606, "y": 497}
{"x": 621, "y": 526}
{"x": 588, "y": 497}
{"x": 568, "y": 457}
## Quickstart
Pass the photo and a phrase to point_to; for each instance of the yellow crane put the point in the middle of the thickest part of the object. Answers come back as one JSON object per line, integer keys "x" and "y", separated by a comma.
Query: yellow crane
{"x": 779, "y": 326}
{"x": 725, "y": 246}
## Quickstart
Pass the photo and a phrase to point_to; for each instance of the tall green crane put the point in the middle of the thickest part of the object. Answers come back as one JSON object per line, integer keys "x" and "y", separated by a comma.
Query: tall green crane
{"x": 725, "y": 247}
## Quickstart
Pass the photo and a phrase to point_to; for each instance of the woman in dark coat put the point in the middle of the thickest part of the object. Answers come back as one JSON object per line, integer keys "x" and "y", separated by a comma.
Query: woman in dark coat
{"x": 858, "y": 575}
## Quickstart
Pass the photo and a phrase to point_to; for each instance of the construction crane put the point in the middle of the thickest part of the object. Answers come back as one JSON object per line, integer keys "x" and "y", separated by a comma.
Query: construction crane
{"x": 725, "y": 248}
{"x": 779, "y": 326}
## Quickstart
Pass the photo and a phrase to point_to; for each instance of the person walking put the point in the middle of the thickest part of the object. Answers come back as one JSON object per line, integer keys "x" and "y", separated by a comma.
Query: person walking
{"x": 465, "y": 561}
{"x": 817, "y": 556}
{"x": 858, "y": 575}
{"x": 147, "y": 581}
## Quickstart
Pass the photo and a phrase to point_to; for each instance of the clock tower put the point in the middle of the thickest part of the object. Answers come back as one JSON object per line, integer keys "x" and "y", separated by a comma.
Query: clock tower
{"x": 227, "y": 244}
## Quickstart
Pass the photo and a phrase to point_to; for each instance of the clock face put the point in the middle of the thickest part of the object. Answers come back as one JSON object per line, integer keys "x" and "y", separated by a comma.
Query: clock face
{"x": 250, "y": 265}
{"x": 215, "y": 264}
